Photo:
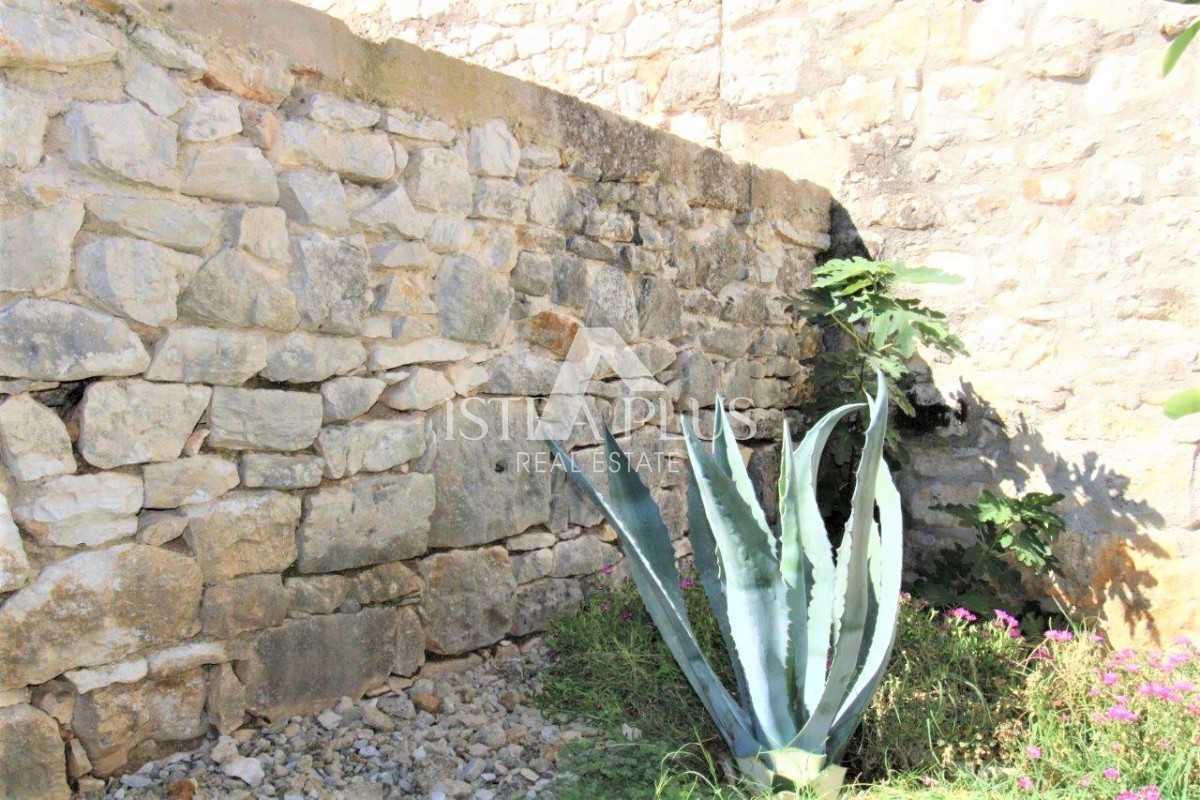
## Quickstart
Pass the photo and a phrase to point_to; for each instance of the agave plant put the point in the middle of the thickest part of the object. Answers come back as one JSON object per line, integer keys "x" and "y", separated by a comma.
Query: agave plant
{"x": 809, "y": 637}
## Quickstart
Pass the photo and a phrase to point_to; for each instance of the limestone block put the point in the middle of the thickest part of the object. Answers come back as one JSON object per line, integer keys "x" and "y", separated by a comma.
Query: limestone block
{"x": 233, "y": 289}
{"x": 270, "y": 471}
{"x": 159, "y": 527}
{"x": 35, "y": 247}
{"x": 41, "y": 41}
{"x": 132, "y": 421}
{"x": 389, "y": 355}
{"x": 473, "y": 301}
{"x": 698, "y": 380}
{"x": 400, "y": 255}
{"x": 330, "y": 280}
{"x": 206, "y": 355}
{"x": 243, "y": 604}
{"x": 209, "y": 118}
{"x": 497, "y": 198}
{"x": 393, "y": 212}
{"x": 123, "y": 140}
{"x": 262, "y": 76}
{"x": 111, "y": 721}
{"x": 469, "y": 599}
{"x": 448, "y": 235}
{"x": 570, "y": 281}
{"x": 466, "y": 378}
{"x": 264, "y": 419}
{"x": 289, "y": 670}
{"x": 337, "y": 112}
{"x": 33, "y": 440}
{"x": 404, "y": 294}
{"x": 188, "y": 228}
{"x": 305, "y": 358}
{"x": 540, "y": 602}
{"x": 584, "y": 555}
{"x": 153, "y": 87}
{"x": 314, "y": 197}
{"x": 410, "y": 642}
{"x": 438, "y": 180}
{"x": 73, "y": 510}
{"x": 552, "y": 202}
{"x": 137, "y": 279}
{"x": 32, "y": 766}
{"x": 492, "y": 151}
{"x": 225, "y": 707}
{"x": 486, "y": 486}
{"x": 660, "y": 311}
{"x": 355, "y": 155}
{"x": 533, "y": 565}
{"x": 365, "y": 521}
{"x": 422, "y": 390}
{"x": 170, "y": 484}
{"x": 263, "y": 232}
{"x": 522, "y": 372}
{"x": 316, "y": 594}
{"x": 233, "y": 173}
{"x": 346, "y": 398}
{"x": 385, "y": 583}
{"x": 95, "y": 608}
{"x": 611, "y": 304}
{"x": 22, "y": 130}
{"x": 87, "y": 679}
{"x": 243, "y": 533}
{"x": 168, "y": 52}
{"x": 533, "y": 275}
{"x": 370, "y": 445}
{"x": 415, "y": 127}
{"x": 14, "y": 564}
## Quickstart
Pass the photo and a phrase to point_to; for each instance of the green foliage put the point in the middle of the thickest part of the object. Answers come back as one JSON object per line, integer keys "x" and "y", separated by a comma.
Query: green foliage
{"x": 1183, "y": 403}
{"x": 808, "y": 639}
{"x": 1009, "y": 531}
{"x": 1175, "y": 51}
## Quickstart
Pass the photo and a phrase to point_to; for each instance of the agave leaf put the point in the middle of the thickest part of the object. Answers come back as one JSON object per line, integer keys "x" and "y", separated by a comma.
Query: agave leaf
{"x": 854, "y": 602}
{"x": 657, "y": 580}
{"x": 755, "y": 594}
{"x": 886, "y": 557}
{"x": 806, "y": 559}
{"x": 729, "y": 458}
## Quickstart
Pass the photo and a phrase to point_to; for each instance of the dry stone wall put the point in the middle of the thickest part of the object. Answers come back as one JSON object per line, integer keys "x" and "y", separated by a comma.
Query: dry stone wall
{"x": 1031, "y": 146}
{"x": 254, "y": 273}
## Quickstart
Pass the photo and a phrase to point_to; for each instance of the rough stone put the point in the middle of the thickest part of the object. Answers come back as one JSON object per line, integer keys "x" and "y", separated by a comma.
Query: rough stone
{"x": 469, "y": 599}
{"x": 438, "y": 180}
{"x": 404, "y": 294}
{"x": 263, "y": 232}
{"x": 41, "y": 41}
{"x": 539, "y": 603}
{"x": 370, "y": 445}
{"x": 570, "y": 281}
{"x": 498, "y": 198}
{"x": 22, "y": 130}
{"x": 233, "y": 289}
{"x": 314, "y": 197}
{"x": 136, "y": 279}
{"x": 153, "y": 87}
{"x": 487, "y": 488}
{"x": 329, "y": 278}
{"x": 225, "y": 706}
{"x": 35, "y": 247}
{"x": 159, "y": 527}
{"x": 168, "y": 52}
{"x": 305, "y": 358}
{"x": 207, "y": 355}
{"x": 198, "y": 479}
{"x": 582, "y": 556}
{"x": 271, "y": 471}
{"x": 346, "y": 398}
{"x": 553, "y": 203}
{"x": 698, "y": 380}
{"x": 188, "y": 228}
{"x": 14, "y": 564}
{"x": 316, "y": 594}
{"x": 492, "y": 151}
{"x": 233, "y": 173}
{"x": 209, "y": 118}
{"x": 384, "y": 583}
{"x": 249, "y": 603}
{"x": 123, "y": 140}
{"x": 394, "y": 213}
{"x": 264, "y": 419}
{"x": 31, "y": 753}
{"x": 337, "y": 112}
{"x": 365, "y": 521}
{"x": 85, "y": 680}
{"x": 448, "y": 235}
{"x": 289, "y": 670}
{"x": 389, "y": 355}
{"x": 466, "y": 378}
{"x": 660, "y": 310}
{"x": 415, "y": 127}
{"x": 422, "y": 390}
{"x": 533, "y": 275}
{"x": 112, "y": 721}
{"x": 355, "y": 155}
{"x": 410, "y": 642}
{"x": 522, "y": 372}
{"x": 394, "y": 254}
{"x": 553, "y": 331}
{"x": 611, "y": 304}
{"x": 95, "y": 608}
{"x": 32, "y": 344}
{"x": 33, "y": 440}
{"x": 243, "y": 533}
{"x": 472, "y": 300}
{"x": 533, "y": 565}
{"x": 133, "y": 421}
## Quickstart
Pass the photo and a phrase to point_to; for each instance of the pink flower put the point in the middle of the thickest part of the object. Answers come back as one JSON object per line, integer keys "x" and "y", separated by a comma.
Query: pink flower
{"x": 608, "y": 570}
{"x": 1006, "y": 618}
{"x": 1121, "y": 713}
{"x": 1184, "y": 686}
{"x": 1112, "y": 773}
{"x": 1059, "y": 636}
{"x": 1034, "y": 752}
{"x": 1150, "y": 793}
{"x": 626, "y": 615}
{"x": 1041, "y": 654}
{"x": 1094, "y": 691}
{"x": 1109, "y": 678}
{"x": 1126, "y": 794}
{"x": 686, "y": 583}
{"x": 1085, "y": 781}
{"x": 1024, "y": 782}
{"x": 961, "y": 613}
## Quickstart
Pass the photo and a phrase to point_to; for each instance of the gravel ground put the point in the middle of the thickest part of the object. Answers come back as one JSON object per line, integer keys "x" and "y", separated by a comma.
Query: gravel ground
{"x": 466, "y": 734}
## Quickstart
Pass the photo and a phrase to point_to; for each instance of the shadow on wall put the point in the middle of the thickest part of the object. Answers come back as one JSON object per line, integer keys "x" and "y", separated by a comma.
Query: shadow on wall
{"x": 968, "y": 446}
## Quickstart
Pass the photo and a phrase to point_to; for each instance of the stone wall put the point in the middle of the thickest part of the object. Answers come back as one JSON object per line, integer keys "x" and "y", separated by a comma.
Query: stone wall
{"x": 253, "y": 270}
{"x": 1031, "y": 146}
